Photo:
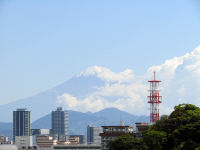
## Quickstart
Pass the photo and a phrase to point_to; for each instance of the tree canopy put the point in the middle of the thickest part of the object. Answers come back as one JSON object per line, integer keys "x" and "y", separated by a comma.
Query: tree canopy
{"x": 178, "y": 131}
{"x": 126, "y": 142}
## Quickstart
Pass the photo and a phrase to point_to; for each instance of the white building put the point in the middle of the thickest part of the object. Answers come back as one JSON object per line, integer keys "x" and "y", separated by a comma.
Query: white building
{"x": 112, "y": 132}
{"x": 24, "y": 141}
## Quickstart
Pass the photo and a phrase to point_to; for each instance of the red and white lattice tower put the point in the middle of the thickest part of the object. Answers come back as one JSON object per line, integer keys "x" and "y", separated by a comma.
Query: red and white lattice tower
{"x": 154, "y": 99}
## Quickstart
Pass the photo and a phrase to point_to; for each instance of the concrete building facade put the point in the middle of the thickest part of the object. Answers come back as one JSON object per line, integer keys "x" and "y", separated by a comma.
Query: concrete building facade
{"x": 112, "y": 132}
{"x": 60, "y": 124}
{"x": 23, "y": 141}
{"x": 140, "y": 128}
{"x": 40, "y": 131}
{"x": 93, "y": 135}
{"x": 74, "y": 140}
{"x": 82, "y": 138}
{"x": 45, "y": 142}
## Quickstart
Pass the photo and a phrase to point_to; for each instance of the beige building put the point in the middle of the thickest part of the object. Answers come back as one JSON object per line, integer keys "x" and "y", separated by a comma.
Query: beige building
{"x": 74, "y": 140}
{"x": 112, "y": 132}
{"x": 45, "y": 142}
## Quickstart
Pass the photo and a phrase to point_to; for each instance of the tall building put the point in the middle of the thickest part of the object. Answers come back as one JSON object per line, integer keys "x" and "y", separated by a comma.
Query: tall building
{"x": 60, "y": 124}
{"x": 93, "y": 135}
{"x": 21, "y": 123}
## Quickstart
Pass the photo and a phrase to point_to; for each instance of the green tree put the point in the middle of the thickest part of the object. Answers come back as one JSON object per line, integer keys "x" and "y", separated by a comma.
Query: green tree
{"x": 187, "y": 137}
{"x": 155, "y": 140}
{"x": 182, "y": 127}
{"x": 126, "y": 142}
{"x": 178, "y": 131}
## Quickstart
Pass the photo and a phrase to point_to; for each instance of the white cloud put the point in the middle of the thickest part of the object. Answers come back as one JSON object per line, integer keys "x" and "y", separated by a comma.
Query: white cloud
{"x": 167, "y": 70}
{"x": 107, "y": 75}
{"x": 128, "y": 92}
{"x": 92, "y": 103}
{"x": 130, "y": 98}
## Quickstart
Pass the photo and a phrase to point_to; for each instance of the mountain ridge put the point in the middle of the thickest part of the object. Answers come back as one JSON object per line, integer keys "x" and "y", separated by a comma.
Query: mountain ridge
{"x": 36, "y": 103}
{"x": 79, "y": 121}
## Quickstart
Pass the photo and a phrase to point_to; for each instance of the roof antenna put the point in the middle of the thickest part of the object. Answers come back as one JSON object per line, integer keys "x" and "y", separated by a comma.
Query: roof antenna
{"x": 121, "y": 123}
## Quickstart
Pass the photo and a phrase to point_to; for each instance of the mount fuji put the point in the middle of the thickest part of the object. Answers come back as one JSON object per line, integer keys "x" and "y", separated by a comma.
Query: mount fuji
{"x": 98, "y": 88}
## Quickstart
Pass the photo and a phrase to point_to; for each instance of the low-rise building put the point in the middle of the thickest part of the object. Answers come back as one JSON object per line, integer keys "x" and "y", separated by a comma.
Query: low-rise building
{"x": 74, "y": 140}
{"x": 24, "y": 141}
{"x": 82, "y": 138}
{"x": 140, "y": 128}
{"x": 44, "y": 142}
{"x": 4, "y": 140}
{"x": 40, "y": 131}
{"x": 112, "y": 132}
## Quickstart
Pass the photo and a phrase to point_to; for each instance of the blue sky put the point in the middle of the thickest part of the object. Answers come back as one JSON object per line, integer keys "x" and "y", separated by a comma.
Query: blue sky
{"x": 44, "y": 43}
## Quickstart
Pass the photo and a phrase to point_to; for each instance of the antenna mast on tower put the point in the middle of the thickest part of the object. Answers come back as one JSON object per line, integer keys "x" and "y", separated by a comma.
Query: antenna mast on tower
{"x": 154, "y": 99}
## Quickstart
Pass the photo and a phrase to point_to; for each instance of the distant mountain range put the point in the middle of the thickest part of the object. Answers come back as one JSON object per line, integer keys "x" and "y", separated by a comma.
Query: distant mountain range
{"x": 79, "y": 121}
{"x": 92, "y": 98}
{"x": 45, "y": 102}
{"x": 93, "y": 90}
{"x": 98, "y": 88}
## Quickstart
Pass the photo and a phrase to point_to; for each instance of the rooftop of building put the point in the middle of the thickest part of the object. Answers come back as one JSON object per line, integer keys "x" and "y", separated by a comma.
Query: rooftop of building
{"x": 142, "y": 123}
{"x": 115, "y": 134}
{"x": 21, "y": 109}
{"x": 117, "y": 126}
{"x": 60, "y": 109}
